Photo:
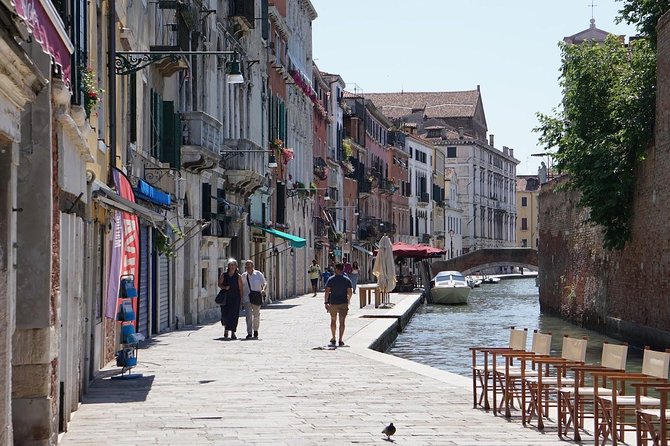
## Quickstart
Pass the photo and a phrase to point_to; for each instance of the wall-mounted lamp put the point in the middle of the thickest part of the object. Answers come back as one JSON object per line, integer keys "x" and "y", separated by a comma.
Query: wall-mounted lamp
{"x": 234, "y": 72}
{"x": 292, "y": 251}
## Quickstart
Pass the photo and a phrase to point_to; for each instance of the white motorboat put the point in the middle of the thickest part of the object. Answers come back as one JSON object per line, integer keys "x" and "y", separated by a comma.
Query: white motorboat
{"x": 490, "y": 279}
{"x": 473, "y": 282}
{"x": 449, "y": 288}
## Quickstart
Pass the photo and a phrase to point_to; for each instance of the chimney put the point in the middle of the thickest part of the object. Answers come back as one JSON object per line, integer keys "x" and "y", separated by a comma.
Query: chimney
{"x": 491, "y": 139}
{"x": 505, "y": 150}
{"x": 460, "y": 133}
{"x": 511, "y": 152}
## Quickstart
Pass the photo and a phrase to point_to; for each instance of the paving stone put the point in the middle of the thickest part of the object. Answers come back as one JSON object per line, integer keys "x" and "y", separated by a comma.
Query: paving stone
{"x": 199, "y": 390}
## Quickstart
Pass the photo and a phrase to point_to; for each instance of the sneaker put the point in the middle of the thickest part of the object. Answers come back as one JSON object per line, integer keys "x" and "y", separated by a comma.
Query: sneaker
{"x": 332, "y": 342}
{"x": 233, "y": 337}
{"x": 248, "y": 336}
{"x": 255, "y": 334}
{"x": 341, "y": 344}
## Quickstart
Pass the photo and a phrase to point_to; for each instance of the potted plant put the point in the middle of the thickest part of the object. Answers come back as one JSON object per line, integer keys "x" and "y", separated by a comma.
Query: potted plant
{"x": 89, "y": 86}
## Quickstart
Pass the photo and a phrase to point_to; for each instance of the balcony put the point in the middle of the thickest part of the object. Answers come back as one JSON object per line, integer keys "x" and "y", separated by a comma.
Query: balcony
{"x": 201, "y": 138}
{"x": 244, "y": 167}
{"x": 320, "y": 168}
{"x": 371, "y": 228}
{"x": 424, "y": 198}
{"x": 387, "y": 186}
{"x": 242, "y": 12}
{"x": 364, "y": 187}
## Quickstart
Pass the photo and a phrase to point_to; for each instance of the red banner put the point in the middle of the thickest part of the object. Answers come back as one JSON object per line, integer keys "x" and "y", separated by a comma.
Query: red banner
{"x": 130, "y": 246}
{"x": 46, "y": 27}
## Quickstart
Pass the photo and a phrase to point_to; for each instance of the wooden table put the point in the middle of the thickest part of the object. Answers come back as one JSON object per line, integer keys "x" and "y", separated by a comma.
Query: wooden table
{"x": 365, "y": 294}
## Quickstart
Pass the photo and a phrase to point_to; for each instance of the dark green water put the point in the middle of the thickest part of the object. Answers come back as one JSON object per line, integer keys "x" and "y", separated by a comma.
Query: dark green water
{"x": 440, "y": 335}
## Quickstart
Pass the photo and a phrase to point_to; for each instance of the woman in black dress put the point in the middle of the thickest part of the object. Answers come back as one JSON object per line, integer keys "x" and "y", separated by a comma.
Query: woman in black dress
{"x": 231, "y": 281}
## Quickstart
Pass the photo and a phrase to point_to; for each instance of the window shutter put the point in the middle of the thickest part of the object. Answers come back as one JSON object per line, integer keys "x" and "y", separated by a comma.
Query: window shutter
{"x": 171, "y": 135}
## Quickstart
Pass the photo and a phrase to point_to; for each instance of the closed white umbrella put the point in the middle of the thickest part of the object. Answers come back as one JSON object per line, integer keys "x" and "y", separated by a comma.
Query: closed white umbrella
{"x": 384, "y": 269}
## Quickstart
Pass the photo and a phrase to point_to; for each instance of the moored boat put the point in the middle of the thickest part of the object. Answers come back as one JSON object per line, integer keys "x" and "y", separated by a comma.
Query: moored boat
{"x": 449, "y": 288}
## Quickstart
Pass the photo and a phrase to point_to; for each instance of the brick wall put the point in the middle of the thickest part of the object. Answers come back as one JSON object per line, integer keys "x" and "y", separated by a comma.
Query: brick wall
{"x": 623, "y": 293}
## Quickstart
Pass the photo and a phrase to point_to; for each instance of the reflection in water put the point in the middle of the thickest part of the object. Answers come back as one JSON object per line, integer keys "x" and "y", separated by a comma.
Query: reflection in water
{"x": 441, "y": 335}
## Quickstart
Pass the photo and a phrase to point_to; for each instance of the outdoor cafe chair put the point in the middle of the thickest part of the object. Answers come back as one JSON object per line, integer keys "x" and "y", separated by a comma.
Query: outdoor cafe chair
{"x": 611, "y": 409}
{"x": 482, "y": 373}
{"x": 575, "y": 399}
{"x": 651, "y": 423}
{"x": 510, "y": 378}
{"x": 540, "y": 387}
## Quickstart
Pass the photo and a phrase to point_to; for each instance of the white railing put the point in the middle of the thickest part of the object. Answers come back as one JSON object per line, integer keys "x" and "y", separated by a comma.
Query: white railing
{"x": 201, "y": 129}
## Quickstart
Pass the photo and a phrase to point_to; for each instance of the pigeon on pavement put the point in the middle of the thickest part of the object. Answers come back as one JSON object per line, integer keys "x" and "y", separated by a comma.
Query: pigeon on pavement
{"x": 388, "y": 431}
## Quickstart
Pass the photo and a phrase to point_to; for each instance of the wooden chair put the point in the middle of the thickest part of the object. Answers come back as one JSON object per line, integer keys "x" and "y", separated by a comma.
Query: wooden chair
{"x": 539, "y": 388}
{"x": 611, "y": 409}
{"x": 574, "y": 399}
{"x": 482, "y": 373}
{"x": 510, "y": 378}
{"x": 651, "y": 423}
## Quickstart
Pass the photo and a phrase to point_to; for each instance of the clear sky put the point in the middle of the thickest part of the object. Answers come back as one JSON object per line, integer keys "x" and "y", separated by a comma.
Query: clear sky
{"x": 508, "y": 47}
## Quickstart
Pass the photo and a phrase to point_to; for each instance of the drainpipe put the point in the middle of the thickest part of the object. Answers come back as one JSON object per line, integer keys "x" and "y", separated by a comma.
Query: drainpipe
{"x": 111, "y": 87}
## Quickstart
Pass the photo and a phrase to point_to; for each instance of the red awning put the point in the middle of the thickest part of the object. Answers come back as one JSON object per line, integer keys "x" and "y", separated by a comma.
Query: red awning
{"x": 401, "y": 249}
{"x": 45, "y": 25}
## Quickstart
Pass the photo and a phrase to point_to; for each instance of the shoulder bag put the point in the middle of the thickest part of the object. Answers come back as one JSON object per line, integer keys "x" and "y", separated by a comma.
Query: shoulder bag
{"x": 255, "y": 297}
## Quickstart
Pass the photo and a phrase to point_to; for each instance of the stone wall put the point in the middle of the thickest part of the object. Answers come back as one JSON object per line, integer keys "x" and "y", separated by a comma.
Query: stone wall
{"x": 623, "y": 293}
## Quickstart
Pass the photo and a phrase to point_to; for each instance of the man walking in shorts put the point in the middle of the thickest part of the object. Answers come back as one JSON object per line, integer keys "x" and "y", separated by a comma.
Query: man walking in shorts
{"x": 337, "y": 298}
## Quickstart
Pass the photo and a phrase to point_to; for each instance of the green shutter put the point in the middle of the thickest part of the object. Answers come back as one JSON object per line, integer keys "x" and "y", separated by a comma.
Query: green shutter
{"x": 171, "y": 136}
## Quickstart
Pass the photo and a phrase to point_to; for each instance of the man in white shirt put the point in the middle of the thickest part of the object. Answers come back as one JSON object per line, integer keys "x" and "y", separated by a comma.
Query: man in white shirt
{"x": 252, "y": 297}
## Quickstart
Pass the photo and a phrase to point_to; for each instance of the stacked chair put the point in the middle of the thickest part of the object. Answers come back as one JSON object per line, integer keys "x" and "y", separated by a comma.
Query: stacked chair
{"x": 575, "y": 399}
{"x": 505, "y": 378}
{"x": 612, "y": 407}
{"x": 510, "y": 379}
{"x": 652, "y": 423}
{"x": 483, "y": 372}
{"x": 544, "y": 385}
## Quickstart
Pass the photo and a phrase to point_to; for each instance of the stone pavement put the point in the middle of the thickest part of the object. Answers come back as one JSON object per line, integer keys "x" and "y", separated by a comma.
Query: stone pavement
{"x": 279, "y": 390}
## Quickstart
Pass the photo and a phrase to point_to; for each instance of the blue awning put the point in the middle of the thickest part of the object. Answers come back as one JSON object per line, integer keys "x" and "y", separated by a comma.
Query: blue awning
{"x": 147, "y": 192}
{"x": 296, "y": 242}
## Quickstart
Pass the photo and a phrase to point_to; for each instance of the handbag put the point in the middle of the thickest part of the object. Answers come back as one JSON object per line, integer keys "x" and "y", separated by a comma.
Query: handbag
{"x": 221, "y": 297}
{"x": 255, "y": 297}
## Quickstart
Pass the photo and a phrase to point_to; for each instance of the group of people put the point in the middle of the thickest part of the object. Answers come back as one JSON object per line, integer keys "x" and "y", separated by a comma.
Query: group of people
{"x": 241, "y": 290}
{"x": 349, "y": 269}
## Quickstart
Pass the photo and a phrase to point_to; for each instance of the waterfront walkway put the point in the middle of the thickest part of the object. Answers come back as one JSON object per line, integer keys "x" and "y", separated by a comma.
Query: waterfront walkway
{"x": 279, "y": 390}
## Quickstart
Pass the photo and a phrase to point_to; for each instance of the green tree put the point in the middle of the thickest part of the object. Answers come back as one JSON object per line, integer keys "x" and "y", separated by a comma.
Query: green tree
{"x": 603, "y": 127}
{"x": 644, "y": 14}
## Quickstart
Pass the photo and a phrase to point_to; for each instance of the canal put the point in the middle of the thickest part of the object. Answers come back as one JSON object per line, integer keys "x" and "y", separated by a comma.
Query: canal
{"x": 440, "y": 335}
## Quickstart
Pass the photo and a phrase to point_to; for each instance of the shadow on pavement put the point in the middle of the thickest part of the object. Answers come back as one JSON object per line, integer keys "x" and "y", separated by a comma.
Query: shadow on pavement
{"x": 107, "y": 390}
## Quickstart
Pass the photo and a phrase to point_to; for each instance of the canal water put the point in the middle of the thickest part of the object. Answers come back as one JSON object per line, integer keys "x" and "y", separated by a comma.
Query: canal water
{"x": 441, "y": 335}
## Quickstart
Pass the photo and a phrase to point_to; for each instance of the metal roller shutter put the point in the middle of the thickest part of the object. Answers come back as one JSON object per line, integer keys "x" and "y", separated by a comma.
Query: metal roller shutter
{"x": 143, "y": 311}
{"x": 164, "y": 297}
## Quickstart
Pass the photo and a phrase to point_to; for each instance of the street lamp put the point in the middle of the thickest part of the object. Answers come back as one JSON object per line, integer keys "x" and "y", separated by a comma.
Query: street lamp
{"x": 451, "y": 243}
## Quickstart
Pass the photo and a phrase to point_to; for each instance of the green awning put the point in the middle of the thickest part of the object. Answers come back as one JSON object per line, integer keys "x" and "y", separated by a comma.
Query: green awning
{"x": 296, "y": 241}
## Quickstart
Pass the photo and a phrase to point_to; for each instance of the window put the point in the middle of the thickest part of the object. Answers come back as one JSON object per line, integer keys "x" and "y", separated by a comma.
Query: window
{"x": 203, "y": 278}
{"x": 524, "y": 223}
{"x": 524, "y": 243}
{"x": 524, "y": 201}
{"x": 451, "y": 152}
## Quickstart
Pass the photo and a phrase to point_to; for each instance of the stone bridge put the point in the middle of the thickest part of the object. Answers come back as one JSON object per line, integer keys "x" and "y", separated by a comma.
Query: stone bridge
{"x": 488, "y": 258}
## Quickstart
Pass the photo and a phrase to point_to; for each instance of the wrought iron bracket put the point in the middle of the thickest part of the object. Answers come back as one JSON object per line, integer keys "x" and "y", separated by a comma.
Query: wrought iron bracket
{"x": 153, "y": 175}
{"x": 128, "y": 62}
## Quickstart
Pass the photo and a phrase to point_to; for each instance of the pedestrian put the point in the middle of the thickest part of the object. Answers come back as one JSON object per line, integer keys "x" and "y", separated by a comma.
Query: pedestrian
{"x": 353, "y": 276}
{"x": 325, "y": 275}
{"x": 347, "y": 267}
{"x": 231, "y": 281}
{"x": 314, "y": 272}
{"x": 252, "y": 298}
{"x": 337, "y": 298}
